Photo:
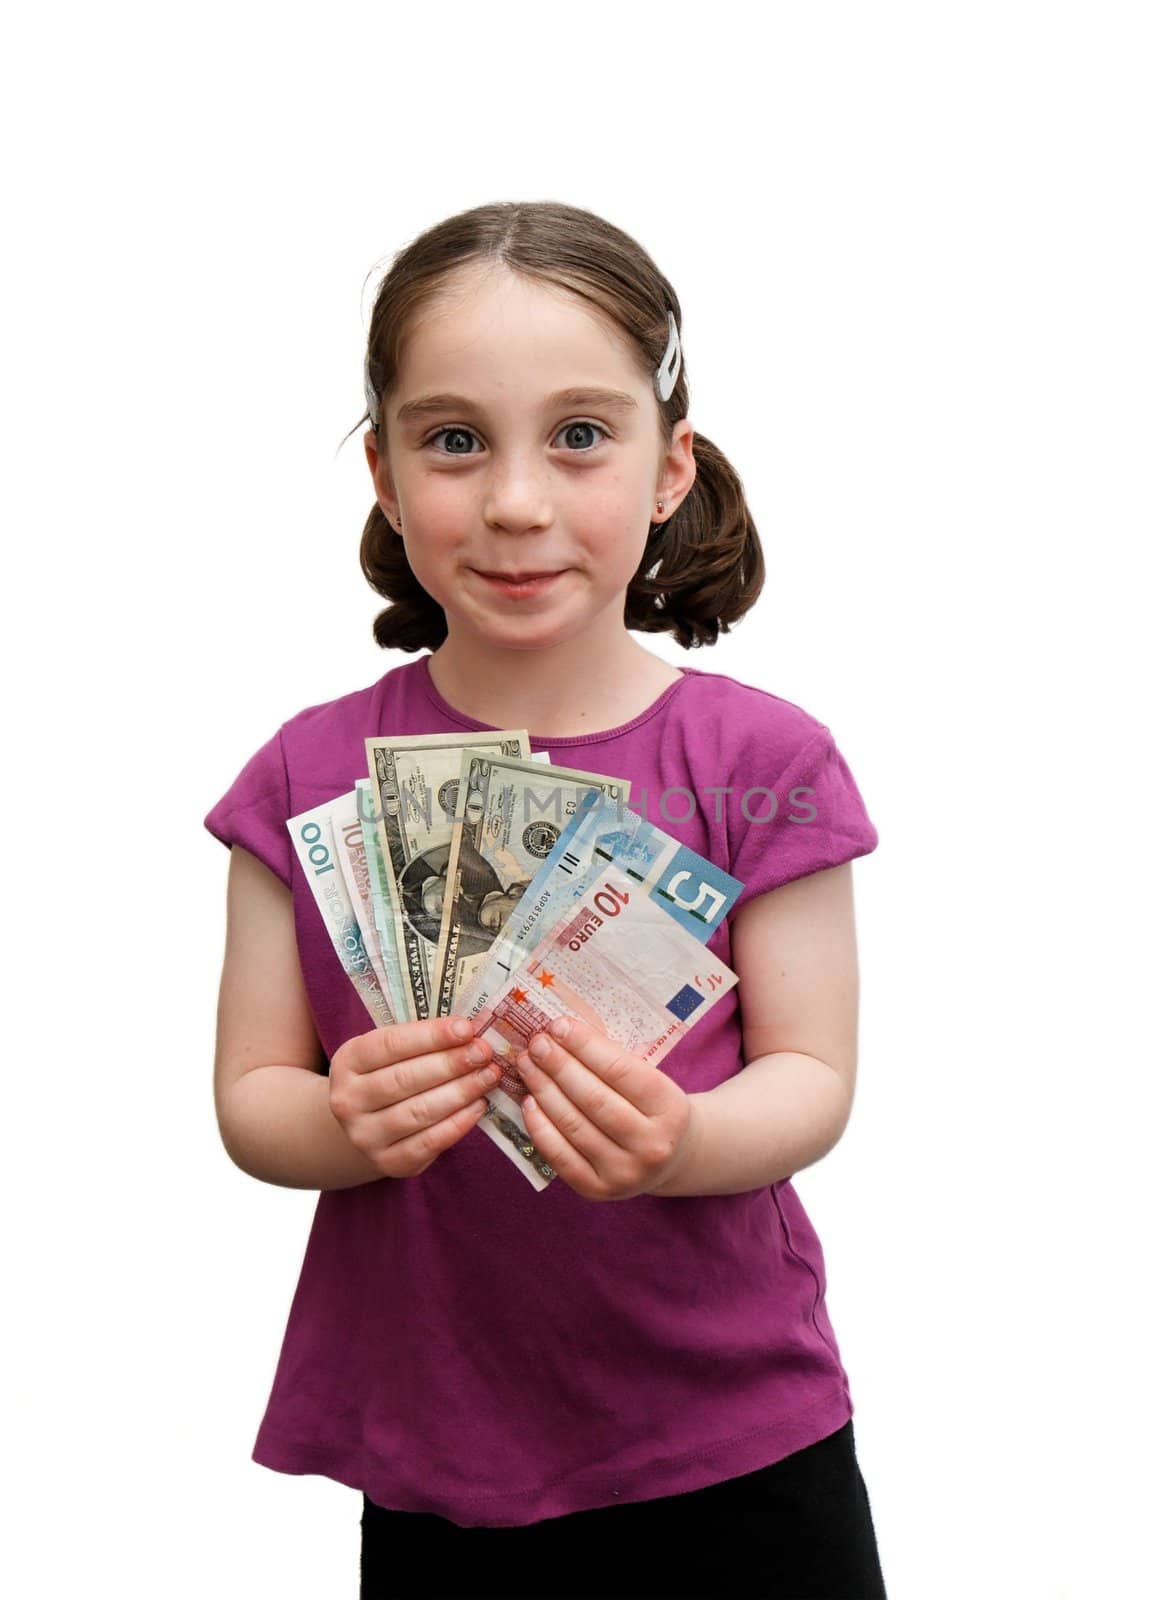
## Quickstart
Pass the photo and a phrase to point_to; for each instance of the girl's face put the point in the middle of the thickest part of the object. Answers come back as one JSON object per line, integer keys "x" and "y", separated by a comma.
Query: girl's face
{"x": 494, "y": 469}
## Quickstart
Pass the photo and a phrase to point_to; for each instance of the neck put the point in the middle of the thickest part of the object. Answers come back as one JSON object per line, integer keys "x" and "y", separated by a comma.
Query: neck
{"x": 573, "y": 687}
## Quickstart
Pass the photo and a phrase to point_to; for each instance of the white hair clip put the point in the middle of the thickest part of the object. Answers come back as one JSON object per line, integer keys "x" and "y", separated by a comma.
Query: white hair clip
{"x": 669, "y": 367}
{"x": 370, "y": 393}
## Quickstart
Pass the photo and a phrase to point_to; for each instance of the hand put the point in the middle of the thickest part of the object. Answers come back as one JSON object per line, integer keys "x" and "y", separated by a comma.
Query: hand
{"x": 405, "y": 1093}
{"x": 610, "y": 1123}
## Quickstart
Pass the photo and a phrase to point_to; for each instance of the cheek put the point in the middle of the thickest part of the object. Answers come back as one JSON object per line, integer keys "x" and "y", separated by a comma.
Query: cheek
{"x": 434, "y": 530}
{"x": 610, "y": 520}
{"x": 435, "y": 506}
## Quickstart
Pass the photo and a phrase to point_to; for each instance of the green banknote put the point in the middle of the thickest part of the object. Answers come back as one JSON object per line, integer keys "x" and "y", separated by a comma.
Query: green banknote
{"x": 415, "y": 782}
{"x": 511, "y": 814}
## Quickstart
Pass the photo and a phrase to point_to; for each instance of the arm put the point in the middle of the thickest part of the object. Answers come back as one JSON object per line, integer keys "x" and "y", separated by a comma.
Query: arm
{"x": 794, "y": 951}
{"x": 270, "y": 1092}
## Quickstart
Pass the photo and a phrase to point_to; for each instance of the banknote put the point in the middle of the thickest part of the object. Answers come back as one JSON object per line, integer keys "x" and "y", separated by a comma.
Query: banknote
{"x": 348, "y": 832}
{"x": 512, "y": 814}
{"x": 381, "y": 905}
{"x": 315, "y": 846}
{"x": 415, "y": 782}
{"x": 604, "y": 832}
{"x": 619, "y": 961}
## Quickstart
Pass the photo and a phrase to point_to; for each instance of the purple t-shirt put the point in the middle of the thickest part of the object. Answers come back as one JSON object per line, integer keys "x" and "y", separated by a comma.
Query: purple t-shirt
{"x": 461, "y": 1343}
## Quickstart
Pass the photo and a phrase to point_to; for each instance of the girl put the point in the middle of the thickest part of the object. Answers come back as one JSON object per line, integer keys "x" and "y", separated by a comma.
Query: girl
{"x": 627, "y": 1383}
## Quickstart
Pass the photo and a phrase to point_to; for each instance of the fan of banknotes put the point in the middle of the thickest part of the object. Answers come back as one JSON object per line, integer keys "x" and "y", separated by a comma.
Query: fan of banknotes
{"x": 475, "y": 880}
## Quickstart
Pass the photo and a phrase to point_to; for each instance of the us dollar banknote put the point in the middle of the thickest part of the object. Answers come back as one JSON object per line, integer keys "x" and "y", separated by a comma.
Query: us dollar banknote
{"x": 604, "y": 832}
{"x": 415, "y": 782}
{"x": 512, "y": 814}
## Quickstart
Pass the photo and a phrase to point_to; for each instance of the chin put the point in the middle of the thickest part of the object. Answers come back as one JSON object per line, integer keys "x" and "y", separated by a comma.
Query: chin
{"x": 525, "y": 628}
{"x": 525, "y": 637}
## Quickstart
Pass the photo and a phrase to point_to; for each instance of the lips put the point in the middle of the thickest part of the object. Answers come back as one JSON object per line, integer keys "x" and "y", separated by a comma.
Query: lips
{"x": 520, "y": 585}
{"x": 521, "y": 577}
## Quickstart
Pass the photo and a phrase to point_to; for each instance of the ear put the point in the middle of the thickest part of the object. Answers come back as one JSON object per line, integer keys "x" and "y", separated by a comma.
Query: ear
{"x": 677, "y": 471}
{"x": 381, "y": 479}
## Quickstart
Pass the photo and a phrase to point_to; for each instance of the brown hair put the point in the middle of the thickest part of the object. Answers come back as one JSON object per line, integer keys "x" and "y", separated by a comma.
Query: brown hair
{"x": 710, "y": 564}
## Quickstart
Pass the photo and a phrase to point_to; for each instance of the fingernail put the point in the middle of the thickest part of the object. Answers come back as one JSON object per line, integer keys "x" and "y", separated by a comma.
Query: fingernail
{"x": 560, "y": 1027}
{"x": 462, "y": 1028}
{"x": 539, "y": 1048}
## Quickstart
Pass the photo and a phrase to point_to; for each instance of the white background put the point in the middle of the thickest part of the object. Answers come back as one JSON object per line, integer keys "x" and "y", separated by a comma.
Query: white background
{"x": 919, "y": 252}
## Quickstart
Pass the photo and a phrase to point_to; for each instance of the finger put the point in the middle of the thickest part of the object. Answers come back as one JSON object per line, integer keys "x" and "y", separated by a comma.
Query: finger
{"x": 589, "y": 1116}
{"x": 569, "y": 1139}
{"x": 408, "y": 1115}
{"x": 383, "y": 1085}
{"x": 400, "y": 1041}
{"x": 604, "y": 1079}
{"x": 417, "y": 1152}
{"x": 401, "y": 1079}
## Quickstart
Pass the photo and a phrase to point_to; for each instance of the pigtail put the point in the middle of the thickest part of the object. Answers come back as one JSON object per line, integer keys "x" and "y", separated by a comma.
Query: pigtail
{"x": 706, "y": 565}
{"x": 414, "y": 620}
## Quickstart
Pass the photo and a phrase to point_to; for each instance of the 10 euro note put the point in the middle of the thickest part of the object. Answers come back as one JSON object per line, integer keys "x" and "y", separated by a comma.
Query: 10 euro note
{"x": 512, "y": 814}
{"x": 316, "y": 849}
{"x": 618, "y": 961}
{"x": 604, "y": 832}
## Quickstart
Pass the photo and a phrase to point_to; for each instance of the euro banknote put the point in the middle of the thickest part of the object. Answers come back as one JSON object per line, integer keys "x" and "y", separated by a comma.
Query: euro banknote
{"x": 605, "y": 832}
{"x": 618, "y": 960}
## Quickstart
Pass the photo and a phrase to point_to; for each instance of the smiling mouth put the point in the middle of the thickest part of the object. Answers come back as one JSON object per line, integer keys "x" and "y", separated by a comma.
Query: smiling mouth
{"x": 519, "y": 585}
{"x": 518, "y": 577}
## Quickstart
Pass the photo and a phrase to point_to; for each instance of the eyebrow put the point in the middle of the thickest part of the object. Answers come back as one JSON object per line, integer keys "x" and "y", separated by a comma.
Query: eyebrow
{"x": 430, "y": 405}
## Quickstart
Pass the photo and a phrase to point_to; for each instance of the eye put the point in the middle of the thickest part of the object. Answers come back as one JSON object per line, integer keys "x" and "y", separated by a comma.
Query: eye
{"x": 573, "y": 427}
{"x": 464, "y": 433}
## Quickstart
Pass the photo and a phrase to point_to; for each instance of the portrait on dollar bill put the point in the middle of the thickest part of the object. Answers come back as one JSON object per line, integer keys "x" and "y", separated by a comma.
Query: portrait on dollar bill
{"x": 484, "y": 904}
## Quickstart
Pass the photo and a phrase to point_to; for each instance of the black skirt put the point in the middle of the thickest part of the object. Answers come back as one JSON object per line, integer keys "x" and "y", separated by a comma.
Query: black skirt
{"x": 800, "y": 1529}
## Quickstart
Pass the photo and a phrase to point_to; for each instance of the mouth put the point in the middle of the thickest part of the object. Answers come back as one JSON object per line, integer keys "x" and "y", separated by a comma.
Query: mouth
{"x": 519, "y": 583}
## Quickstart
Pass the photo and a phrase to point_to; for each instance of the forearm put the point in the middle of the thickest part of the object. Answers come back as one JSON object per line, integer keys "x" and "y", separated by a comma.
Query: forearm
{"x": 779, "y": 1114}
{"x": 277, "y": 1125}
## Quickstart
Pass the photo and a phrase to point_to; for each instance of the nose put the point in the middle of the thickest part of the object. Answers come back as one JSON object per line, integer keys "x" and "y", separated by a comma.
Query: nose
{"x": 517, "y": 498}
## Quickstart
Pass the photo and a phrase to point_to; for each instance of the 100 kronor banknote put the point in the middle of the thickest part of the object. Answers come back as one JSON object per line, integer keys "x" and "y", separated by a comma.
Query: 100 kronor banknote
{"x": 314, "y": 840}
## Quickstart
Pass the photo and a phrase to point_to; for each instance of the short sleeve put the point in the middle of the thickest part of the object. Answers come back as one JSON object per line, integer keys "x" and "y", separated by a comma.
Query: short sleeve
{"x": 810, "y": 818}
{"x": 255, "y": 809}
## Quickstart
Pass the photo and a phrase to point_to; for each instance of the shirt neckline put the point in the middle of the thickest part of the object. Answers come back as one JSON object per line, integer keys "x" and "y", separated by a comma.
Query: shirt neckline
{"x": 421, "y": 669}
